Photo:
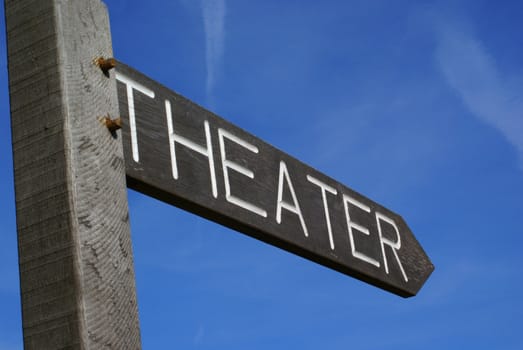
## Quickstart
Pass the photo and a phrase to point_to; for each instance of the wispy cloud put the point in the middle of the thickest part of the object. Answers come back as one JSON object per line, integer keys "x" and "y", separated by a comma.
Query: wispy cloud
{"x": 214, "y": 12}
{"x": 198, "y": 338}
{"x": 472, "y": 72}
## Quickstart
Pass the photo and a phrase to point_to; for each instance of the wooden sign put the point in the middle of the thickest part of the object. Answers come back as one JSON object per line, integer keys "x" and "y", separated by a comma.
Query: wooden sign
{"x": 180, "y": 153}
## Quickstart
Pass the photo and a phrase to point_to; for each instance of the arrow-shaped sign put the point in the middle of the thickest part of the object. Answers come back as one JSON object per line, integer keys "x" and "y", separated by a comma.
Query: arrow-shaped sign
{"x": 180, "y": 153}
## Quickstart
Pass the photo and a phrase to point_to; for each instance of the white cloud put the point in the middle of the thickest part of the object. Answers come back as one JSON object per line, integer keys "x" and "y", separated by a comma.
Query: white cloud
{"x": 472, "y": 72}
{"x": 213, "y": 12}
{"x": 198, "y": 338}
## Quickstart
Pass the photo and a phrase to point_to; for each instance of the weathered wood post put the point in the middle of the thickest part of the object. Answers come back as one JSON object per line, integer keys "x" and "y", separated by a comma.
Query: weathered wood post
{"x": 76, "y": 262}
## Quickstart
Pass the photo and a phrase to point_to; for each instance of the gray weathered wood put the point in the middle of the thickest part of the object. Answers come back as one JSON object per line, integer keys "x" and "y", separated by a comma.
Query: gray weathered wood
{"x": 371, "y": 243}
{"x": 76, "y": 265}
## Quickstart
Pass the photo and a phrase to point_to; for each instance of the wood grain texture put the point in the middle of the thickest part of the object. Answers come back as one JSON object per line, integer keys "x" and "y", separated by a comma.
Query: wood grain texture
{"x": 149, "y": 169}
{"x": 76, "y": 263}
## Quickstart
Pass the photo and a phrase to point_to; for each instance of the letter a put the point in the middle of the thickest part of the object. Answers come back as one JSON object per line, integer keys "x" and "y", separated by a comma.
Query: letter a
{"x": 293, "y": 208}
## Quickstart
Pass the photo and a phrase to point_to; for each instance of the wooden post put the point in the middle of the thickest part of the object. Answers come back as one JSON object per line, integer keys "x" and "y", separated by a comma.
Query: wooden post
{"x": 76, "y": 263}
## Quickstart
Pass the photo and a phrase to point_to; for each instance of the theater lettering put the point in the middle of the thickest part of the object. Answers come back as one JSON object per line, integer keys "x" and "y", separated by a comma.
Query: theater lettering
{"x": 185, "y": 155}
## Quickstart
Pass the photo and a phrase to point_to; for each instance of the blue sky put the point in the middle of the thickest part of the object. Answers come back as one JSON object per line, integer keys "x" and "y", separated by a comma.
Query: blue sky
{"x": 416, "y": 104}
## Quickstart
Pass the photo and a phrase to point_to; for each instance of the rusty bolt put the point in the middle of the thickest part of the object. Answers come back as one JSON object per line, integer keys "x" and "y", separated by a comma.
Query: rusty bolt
{"x": 106, "y": 64}
{"x": 112, "y": 124}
